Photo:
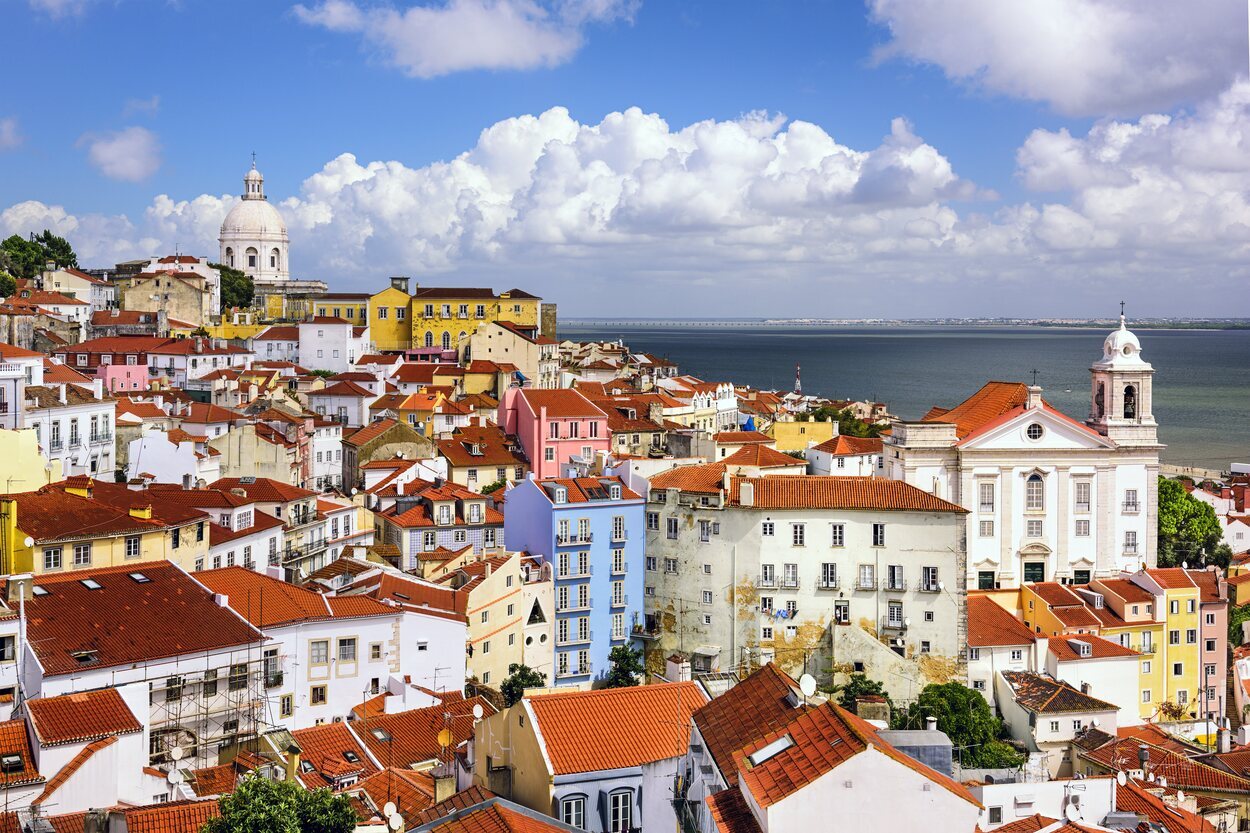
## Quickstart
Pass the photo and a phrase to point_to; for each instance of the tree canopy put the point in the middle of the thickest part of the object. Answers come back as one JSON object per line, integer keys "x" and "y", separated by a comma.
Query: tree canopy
{"x": 848, "y": 424}
{"x": 625, "y": 667}
{"x": 1188, "y": 528}
{"x": 965, "y": 717}
{"x": 259, "y": 805}
{"x": 520, "y": 677}
{"x": 25, "y": 257}
{"x": 236, "y": 287}
{"x": 859, "y": 685}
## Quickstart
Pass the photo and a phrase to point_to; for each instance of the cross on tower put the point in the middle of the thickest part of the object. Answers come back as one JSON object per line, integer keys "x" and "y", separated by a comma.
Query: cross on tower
{"x": 1035, "y": 371}
{"x": 254, "y": 168}
{"x": 1121, "y": 309}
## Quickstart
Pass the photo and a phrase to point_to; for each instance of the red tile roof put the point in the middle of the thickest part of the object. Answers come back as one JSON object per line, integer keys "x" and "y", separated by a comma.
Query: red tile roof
{"x": 462, "y": 800}
{"x": 1171, "y": 578}
{"x": 412, "y": 593}
{"x": 564, "y": 402}
{"x": 72, "y": 766}
{"x": 707, "y": 478}
{"x": 741, "y": 438}
{"x": 990, "y": 402}
{"x": 1043, "y": 695}
{"x": 1065, "y": 651}
{"x": 172, "y": 817}
{"x": 1126, "y": 590}
{"x": 761, "y": 456}
{"x": 14, "y": 740}
{"x": 731, "y": 813}
{"x": 497, "y": 816}
{"x": 589, "y": 731}
{"x": 494, "y": 448}
{"x": 263, "y": 489}
{"x": 586, "y": 489}
{"x": 324, "y": 752}
{"x": 51, "y": 514}
{"x": 812, "y": 492}
{"x": 369, "y": 432}
{"x": 842, "y": 445}
{"x": 278, "y": 332}
{"x": 126, "y": 621}
{"x": 80, "y": 716}
{"x": 989, "y": 625}
{"x": 410, "y": 791}
{"x": 411, "y": 737}
{"x": 822, "y": 739}
{"x": 268, "y": 602}
{"x": 754, "y": 707}
{"x": 1208, "y": 585}
{"x": 1181, "y": 771}
{"x": 1135, "y": 797}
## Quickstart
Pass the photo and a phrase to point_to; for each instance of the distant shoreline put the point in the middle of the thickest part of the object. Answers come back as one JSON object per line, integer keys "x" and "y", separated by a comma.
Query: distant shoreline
{"x": 1064, "y": 324}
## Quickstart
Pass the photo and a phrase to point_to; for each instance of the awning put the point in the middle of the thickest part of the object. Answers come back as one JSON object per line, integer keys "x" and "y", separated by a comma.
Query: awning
{"x": 707, "y": 651}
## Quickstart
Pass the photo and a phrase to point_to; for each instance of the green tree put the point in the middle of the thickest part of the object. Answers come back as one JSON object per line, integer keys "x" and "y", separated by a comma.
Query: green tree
{"x": 236, "y": 288}
{"x": 848, "y": 424}
{"x": 520, "y": 677}
{"x": 25, "y": 257}
{"x": 1237, "y": 615}
{"x": 259, "y": 805}
{"x": 7, "y": 285}
{"x": 1188, "y": 528}
{"x": 859, "y": 685}
{"x": 56, "y": 248}
{"x": 964, "y": 716}
{"x": 626, "y": 667}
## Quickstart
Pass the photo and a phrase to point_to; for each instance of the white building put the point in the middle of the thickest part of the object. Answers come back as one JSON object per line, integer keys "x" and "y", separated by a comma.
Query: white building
{"x": 755, "y": 568}
{"x": 1049, "y": 498}
{"x": 96, "y": 293}
{"x": 173, "y": 456}
{"x": 73, "y": 425}
{"x": 18, "y": 368}
{"x": 842, "y": 456}
{"x": 998, "y": 641}
{"x": 1046, "y": 714}
{"x": 185, "y": 360}
{"x": 327, "y": 451}
{"x": 253, "y": 235}
{"x": 334, "y": 344}
{"x": 277, "y": 342}
{"x": 1098, "y": 667}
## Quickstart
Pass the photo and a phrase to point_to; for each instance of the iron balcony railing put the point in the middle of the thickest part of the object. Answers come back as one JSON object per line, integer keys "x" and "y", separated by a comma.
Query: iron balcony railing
{"x": 828, "y": 584}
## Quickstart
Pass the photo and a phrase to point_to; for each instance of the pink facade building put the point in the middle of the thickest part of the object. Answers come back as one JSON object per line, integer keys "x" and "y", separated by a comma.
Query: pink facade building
{"x": 1213, "y": 631}
{"x": 554, "y": 425}
{"x": 119, "y": 378}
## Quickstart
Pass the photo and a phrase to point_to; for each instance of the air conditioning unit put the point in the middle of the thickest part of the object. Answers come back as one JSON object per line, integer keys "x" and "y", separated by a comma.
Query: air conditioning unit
{"x": 338, "y": 719}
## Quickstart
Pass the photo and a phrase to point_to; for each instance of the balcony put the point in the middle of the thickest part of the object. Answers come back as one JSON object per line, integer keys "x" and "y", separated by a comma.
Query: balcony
{"x": 574, "y": 538}
{"x": 766, "y": 582}
{"x": 102, "y": 437}
{"x": 790, "y": 582}
{"x": 585, "y": 670}
{"x": 1131, "y": 507}
{"x": 620, "y": 537}
{"x": 895, "y": 585}
{"x": 576, "y": 639}
{"x": 1082, "y": 507}
{"x": 862, "y": 583}
{"x": 828, "y": 584}
{"x": 889, "y": 623}
{"x": 55, "y": 445}
{"x": 622, "y": 601}
{"x": 1130, "y": 549}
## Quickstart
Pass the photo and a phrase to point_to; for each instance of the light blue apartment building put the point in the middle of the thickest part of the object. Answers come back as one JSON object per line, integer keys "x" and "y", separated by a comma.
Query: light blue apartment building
{"x": 592, "y": 532}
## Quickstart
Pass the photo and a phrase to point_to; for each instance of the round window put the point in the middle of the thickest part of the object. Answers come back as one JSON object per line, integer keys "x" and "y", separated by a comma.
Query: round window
{"x": 1128, "y": 349}
{"x": 529, "y": 640}
{"x": 1034, "y": 431}
{"x": 542, "y": 637}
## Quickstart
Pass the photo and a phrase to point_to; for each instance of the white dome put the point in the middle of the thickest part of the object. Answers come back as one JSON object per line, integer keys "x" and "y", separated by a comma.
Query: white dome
{"x": 1121, "y": 350}
{"x": 256, "y": 219}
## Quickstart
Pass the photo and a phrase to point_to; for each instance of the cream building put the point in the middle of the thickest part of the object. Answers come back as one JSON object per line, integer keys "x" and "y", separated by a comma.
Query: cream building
{"x": 1049, "y": 498}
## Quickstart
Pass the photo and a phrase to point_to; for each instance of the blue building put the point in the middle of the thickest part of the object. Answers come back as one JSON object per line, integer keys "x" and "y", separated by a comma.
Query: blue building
{"x": 591, "y": 530}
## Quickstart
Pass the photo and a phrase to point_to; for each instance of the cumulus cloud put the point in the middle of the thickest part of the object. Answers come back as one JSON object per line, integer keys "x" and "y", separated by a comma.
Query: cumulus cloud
{"x": 426, "y": 41}
{"x": 132, "y": 154}
{"x": 1083, "y": 57}
{"x": 10, "y": 137}
{"x": 633, "y": 216}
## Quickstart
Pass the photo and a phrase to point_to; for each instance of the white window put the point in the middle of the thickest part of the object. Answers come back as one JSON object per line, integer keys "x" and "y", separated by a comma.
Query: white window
{"x": 82, "y": 555}
{"x": 707, "y": 597}
{"x": 1082, "y": 529}
{"x": 620, "y": 812}
{"x": 986, "y": 491}
{"x": 1130, "y": 541}
{"x": 878, "y": 535}
{"x": 1033, "y": 529}
{"x": 1054, "y": 725}
{"x": 1145, "y": 695}
{"x": 1082, "y": 495}
{"x": 52, "y": 558}
{"x": 572, "y": 810}
{"x": 1145, "y": 667}
{"x": 798, "y": 533}
{"x": 672, "y": 529}
{"x": 987, "y": 529}
{"x": 1017, "y": 655}
{"x": 838, "y": 535}
{"x": 974, "y": 654}
{"x": 1035, "y": 493}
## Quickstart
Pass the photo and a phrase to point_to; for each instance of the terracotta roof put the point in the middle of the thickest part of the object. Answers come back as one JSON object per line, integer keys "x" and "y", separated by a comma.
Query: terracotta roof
{"x": 325, "y": 752}
{"x": 761, "y": 456}
{"x": 1030, "y": 824}
{"x": 615, "y": 728}
{"x": 408, "y": 738}
{"x": 139, "y": 345}
{"x": 1208, "y": 585}
{"x": 741, "y": 438}
{"x": 812, "y": 492}
{"x": 1065, "y": 651}
{"x": 126, "y": 620}
{"x": 1181, "y": 771}
{"x": 754, "y": 707}
{"x": 49, "y": 396}
{"x": 206, "y": 412}
{"x": 498, "y": 816}
{"x": 263, "y": 489}
{"x": 1171, "y": 578}
{"x": 989, "y": 625}
{"x": 1135, "y": 797}
{"x": 411, "y": 593}
{"x": 410, "y": 791}
{"x": 564, "y": 402}
{"x": 1126, "y": 590}
{"x": 990, "y": 402}
{"x": 14, "y": 740}
{"x": 468, "y": 797}
{"x": 587, "y": 489}
{"x": 53, "y": 515}
{"x": 122, "y": 317}
{"x": 268, "y": 602}
{"x": 1237, "y": 761}
{"x": 822, "y": 738}
{"x": 172, "y": 817}
{"x": 1043, "y": 695}
{"x": 731, "y": 813}
{"x": 842, "y": 445}
{"x": 493, "y": 447}
{"x": 80, "y": 716}
{"x": 343, "y": 389}
{"x": 369, "y": 432}
{"x": 699, "y": 479}
{"x": 1155, "y": 736}
{"x": 278, "y": 332}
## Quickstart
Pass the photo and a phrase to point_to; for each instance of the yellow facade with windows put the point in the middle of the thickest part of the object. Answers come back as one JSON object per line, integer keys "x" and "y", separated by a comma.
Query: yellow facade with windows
{"x": 441, "y": 317}
{"x": 799, "y": 436}
{"x": 388, "y": 319}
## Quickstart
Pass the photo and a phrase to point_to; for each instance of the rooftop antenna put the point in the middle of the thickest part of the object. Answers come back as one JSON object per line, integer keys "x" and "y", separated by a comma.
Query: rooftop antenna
{"x": 798, "y": 381}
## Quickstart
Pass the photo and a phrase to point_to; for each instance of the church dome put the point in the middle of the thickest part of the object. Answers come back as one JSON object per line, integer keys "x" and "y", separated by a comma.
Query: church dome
{"x": 255, "y": 219}
{"x": 253, "y": 234}
{"x": 1121, "y": 349}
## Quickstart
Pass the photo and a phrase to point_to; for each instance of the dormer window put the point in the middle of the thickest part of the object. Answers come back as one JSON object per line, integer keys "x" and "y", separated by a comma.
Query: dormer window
{"x": 475, "y": 513}
{"x": 614, "y": 491}
{"x": 561, "y": 495}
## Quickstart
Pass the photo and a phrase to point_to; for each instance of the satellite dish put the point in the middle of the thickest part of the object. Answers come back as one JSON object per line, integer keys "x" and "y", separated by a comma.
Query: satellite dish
{"x": 174, "y": 777}
{"x": 176, "y": 753}
{"x": 1095, "y": 722}
{"x": 29, "y": 542}
{"x": 395, "y": 822}
{"x": 444, "y": 738}
{"x": 1180, "y": 796}
{"x": 807, "y": 685}
{"x": 478, "y": 711}
{"x": 388, "y": 809}
{"x": 1184, "y": 565}
{"x": 941, "y": 587}
{"x": 1121, "y": 778}
{"x": 1072, "y": 812}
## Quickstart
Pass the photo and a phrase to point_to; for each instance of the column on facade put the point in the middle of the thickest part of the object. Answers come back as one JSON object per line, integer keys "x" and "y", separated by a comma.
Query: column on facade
{"x": 1063, "y": 552}
{"x": 1107, "y": 559}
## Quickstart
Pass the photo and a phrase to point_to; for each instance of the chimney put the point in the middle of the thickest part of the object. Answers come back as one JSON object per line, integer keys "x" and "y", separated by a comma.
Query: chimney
{"x": 486, "y": 567}
{"x": 292, "y": 761}
{"x": 221, "y": 600}
{"x": 444, "y": 786}
{"x": 930, "y": 723}
{"x": 19, "y": 586}
{"x": 60, "y": 392}
{"x": 746, "y": 494}
{"x": 401, "y": 283}
{"x": 1035, "y": 398}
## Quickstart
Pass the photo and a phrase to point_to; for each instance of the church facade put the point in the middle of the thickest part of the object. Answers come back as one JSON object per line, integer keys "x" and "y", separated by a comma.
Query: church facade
{"x": 1049, "y": 498}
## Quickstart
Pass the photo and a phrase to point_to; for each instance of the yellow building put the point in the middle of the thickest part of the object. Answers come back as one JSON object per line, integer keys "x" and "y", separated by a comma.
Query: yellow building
{"x": 79, "y": 524}
{"x": 1154, "y": 612}
{"x": 797, "y": 436}
{"x": 350, "y": 306}
{"x": 441, "y": 316}
{"x": 241, "y": 327}
{"x": 22, "y": 466}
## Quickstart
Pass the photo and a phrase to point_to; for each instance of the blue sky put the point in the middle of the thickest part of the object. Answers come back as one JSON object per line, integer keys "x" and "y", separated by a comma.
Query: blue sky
{"x": 1007, "y": 172}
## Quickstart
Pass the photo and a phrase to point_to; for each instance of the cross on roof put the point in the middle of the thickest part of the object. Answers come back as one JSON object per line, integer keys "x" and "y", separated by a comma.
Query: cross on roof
{"x": 1121, "y": 309}
{"x": 1035, "y": 371}
{"x": 254, "y": 168}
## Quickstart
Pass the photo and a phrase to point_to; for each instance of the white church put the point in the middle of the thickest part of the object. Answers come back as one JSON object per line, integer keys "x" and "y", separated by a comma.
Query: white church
{"x": 254, "y": 240}
{"x": 1048, "y": 498}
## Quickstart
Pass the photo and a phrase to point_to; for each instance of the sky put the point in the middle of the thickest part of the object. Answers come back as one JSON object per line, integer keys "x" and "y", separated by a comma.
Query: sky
{"x": 638, "y": 158}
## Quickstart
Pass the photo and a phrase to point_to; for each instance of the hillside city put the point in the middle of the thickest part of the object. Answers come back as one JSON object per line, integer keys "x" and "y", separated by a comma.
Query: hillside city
{"x": 409, "y": 559}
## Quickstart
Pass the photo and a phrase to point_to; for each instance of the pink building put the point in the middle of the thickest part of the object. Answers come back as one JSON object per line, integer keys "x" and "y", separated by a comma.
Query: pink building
{"x": 554, "y": 425}
{"x": 1213, "y": 631}
{"x": 119, "y": 378}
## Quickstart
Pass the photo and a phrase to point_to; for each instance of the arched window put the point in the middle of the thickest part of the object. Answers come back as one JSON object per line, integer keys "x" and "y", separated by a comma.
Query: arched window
{"x": 1100, "y": 398}
{"x": 275, "y": 258}
{"x": 252, "y": 255}
{"x": 1130, "y": 402}
{"x": 229, "y": 256}
{"x": 1035, "y": 493}
{"x": 429, "y": 338}
{"x": 446, "y": 340}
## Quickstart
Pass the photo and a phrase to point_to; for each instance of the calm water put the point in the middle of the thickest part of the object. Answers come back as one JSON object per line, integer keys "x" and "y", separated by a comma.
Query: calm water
{"x": 1201, "y": 391}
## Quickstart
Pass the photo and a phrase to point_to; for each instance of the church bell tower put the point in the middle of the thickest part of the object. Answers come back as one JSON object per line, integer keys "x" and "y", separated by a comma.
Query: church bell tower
{"x": 1121, "y": 391}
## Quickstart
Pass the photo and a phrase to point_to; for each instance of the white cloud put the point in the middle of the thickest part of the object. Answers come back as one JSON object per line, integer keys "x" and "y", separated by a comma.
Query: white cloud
{"x": 426, "y": 41}
{"x": 57, "y": 9}
{"x": 146, "y": 106}
{"x": 131, "y": 154}
{"x": 10, "y": 136}
{"x": 631, "y": 216}
{"x": 1083, "y": 57}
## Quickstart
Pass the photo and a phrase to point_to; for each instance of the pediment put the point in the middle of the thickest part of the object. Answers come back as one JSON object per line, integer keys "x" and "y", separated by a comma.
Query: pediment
{"x": 1058, "y": 433}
